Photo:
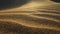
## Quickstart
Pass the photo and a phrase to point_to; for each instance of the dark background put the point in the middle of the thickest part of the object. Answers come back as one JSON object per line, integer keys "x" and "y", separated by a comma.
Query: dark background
{"x": 58, "y": 1}
{"x": 11, "y": 3}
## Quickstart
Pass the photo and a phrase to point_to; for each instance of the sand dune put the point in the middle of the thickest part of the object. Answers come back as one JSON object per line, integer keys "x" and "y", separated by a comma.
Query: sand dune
{"x": 41, "y": 18}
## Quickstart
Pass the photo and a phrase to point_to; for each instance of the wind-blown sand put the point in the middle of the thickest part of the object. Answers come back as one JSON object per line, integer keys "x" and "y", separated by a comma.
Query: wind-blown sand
{"x": 33, "y": 18}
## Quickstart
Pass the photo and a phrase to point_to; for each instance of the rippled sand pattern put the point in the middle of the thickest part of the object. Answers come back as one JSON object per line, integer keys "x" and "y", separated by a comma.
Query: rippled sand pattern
{"x": 38, "y": 21}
